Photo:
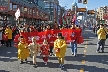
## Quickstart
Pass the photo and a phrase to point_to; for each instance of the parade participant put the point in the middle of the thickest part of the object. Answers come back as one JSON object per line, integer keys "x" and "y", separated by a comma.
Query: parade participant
{"x": 45, "y": 51}
{"x": 60, "y": 49}
{"x": 23, "y": 52}
{"x": 8, "y": 32}
{"x": 51, "y": 44}
{"x": 34, "y": 49}
{"x": 79, "y": 39}
{"x": 73, "y": 43}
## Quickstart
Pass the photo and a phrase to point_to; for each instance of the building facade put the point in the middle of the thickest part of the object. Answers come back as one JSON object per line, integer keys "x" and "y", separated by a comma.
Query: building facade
{"x": 29, "y": 11}
{"x": 100, "y": 13}
{"x": 54, "y": 9}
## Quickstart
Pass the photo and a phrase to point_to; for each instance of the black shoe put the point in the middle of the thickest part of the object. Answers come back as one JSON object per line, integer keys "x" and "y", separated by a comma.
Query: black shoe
{"x": 98, "y": 51}
{"x": 62, "y": 67}
{"x": 102, "y": 51}
{"x": 21, "y": 62}
{"x": 51, "y": 54}
{"x": 75, "y": 55}
{"x": 35, "y": 65}
{"x": 26, "y": 60}
{"x": 72, "y": 53}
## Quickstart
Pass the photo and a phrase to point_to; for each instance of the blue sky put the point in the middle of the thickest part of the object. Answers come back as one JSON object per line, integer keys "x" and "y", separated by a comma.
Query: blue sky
{"x": 92, "y": 4}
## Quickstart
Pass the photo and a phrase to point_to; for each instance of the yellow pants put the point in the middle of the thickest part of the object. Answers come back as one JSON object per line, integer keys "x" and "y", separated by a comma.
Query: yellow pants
{"x": 61, "y": 60}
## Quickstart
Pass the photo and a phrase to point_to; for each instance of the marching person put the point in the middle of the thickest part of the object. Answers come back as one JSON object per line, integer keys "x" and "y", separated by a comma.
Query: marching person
{"x": 73, "y": 43}
{"x": 34, "y": 49}
{"x": 45, "y": 48}
{"x": 60, "y": 49}
{"x": 48, "y": 27}
{"x": 23, "y": 52}
{"x": 102, "y": 32}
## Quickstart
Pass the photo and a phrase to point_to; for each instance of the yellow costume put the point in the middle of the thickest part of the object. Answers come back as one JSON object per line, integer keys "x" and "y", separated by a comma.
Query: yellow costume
{"x": 8, "y": 31}
{"x": 61, "y": 44}
{"x": 23, "y": 52}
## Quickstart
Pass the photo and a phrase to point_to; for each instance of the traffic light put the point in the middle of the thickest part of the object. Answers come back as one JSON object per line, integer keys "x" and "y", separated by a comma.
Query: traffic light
{"x": 84, "y": 1}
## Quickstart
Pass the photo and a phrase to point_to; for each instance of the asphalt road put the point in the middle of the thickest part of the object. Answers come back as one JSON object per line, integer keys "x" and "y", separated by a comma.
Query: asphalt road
{"x": 86, "y": 61}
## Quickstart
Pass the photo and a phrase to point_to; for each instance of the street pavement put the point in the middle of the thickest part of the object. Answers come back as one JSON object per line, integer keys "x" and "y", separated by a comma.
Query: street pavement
{"x": 87, "y": 59}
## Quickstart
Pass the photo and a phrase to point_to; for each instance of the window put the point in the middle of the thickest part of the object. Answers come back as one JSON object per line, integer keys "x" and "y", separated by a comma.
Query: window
{"x": 52, "y": 4}
{"x": 28, "y": 11}
{"x": 47, "y": 4}
{"x": 14, "y": 7}
{"x": 34, "y": 12}
{"x": 47, "y": 7}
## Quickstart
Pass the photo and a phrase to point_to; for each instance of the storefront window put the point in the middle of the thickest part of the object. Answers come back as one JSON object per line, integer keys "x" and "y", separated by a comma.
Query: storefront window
{"x": 28, "y": 10}
{"x": 25, "y": 9}
{"x": 37, "y": 13}
{"x": 34, "y": 12}
{"x": 15, "y": 7}
{"x": 4, "y": 2}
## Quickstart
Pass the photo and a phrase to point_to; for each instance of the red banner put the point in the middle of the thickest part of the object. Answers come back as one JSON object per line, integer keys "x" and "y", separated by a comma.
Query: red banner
{"x": 50, "y": 35}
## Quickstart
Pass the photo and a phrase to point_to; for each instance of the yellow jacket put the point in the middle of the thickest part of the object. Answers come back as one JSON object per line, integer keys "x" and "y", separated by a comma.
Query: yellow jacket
{"x": 23, "y": 52}
{"x": 60, "y": 43}
{"x": 101, "y": 33}
{"x": 8, "y": 31}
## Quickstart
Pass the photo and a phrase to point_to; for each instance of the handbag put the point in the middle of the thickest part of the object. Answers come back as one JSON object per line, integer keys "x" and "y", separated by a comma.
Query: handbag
{"x": 106, "y": 34}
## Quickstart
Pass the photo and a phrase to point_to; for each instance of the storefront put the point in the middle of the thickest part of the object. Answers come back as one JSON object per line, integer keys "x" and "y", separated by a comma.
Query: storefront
{"x": 28, "y": 12}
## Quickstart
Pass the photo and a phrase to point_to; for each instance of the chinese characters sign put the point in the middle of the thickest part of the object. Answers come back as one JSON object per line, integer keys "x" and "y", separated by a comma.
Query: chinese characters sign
{"x": 51, "y": 35}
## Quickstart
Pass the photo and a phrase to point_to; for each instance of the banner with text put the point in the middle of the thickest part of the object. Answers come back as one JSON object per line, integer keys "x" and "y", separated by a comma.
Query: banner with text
{"x": 70, "y": 35}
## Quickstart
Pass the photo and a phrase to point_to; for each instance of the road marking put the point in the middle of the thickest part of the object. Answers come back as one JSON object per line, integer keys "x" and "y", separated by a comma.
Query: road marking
{"x": 84, "y": 55}
{"x": 83, "y": 61}
{"x": 81, "y": 70}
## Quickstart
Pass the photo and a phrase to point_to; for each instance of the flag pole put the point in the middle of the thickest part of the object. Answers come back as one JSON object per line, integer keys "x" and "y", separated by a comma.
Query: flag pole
{"x": 18, "y": 21}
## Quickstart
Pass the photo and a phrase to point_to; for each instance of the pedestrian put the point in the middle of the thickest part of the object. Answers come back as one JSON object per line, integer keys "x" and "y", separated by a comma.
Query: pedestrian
{"x": 73, "y": 43}
{"x": 23, "y": 52}
{"x": 60, "y": 49}
{"x": 102, "y": 32}
{"x": 34, "y": 49}
{"x": 45, "y": 48}
{"x": 8, "y": 32}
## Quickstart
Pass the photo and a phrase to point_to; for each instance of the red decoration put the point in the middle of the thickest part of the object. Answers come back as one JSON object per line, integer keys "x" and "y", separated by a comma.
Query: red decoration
{"x": 51, "y": 35}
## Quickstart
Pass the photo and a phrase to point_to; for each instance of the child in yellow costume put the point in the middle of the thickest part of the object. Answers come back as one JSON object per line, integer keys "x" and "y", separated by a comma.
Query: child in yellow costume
{"x": 23, "y": 52}
{"x": 60, "y": 49}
